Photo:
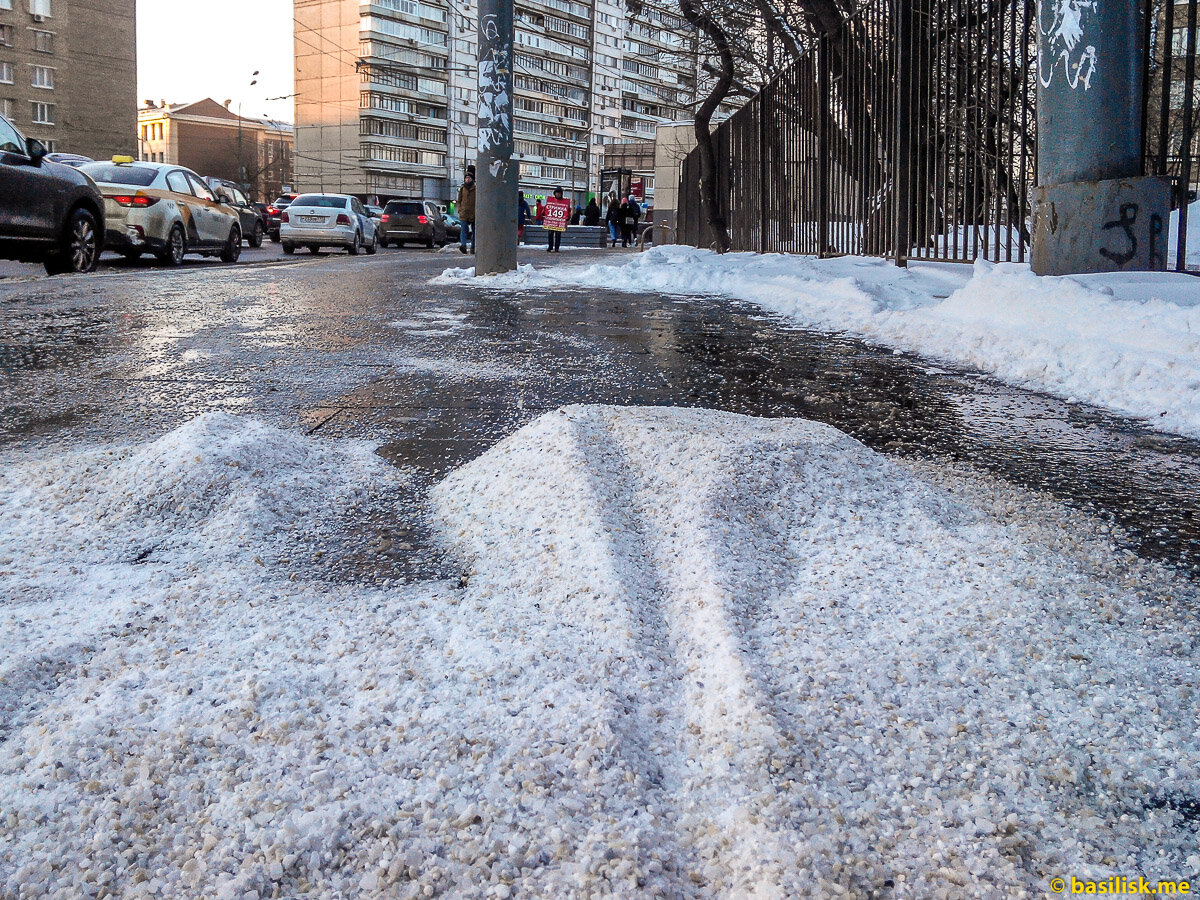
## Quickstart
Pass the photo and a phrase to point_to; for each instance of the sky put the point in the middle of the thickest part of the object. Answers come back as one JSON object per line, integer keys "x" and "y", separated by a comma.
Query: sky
{"x": 247, "y": 35}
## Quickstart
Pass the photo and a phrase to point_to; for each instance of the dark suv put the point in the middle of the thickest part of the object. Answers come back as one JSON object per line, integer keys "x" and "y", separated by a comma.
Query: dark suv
{"x": 411, "y": 221}
{"x": 280, "y": 204}
{"x": 253, "y": 229}
{"x": 49, "y": 213}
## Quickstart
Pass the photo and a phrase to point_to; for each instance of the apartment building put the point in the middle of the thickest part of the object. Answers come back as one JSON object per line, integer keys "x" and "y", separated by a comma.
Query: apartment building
{"x": 387, "y": 92}
{"x": 211, "y": 139}
{"x": 68, "y": 73}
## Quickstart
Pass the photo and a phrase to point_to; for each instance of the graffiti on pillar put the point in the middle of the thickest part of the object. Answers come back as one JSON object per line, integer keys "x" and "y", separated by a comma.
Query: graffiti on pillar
{"x": 1126, "y": 222}
{"x": 1064, "y": 42}
{"x": 495, "y": 99}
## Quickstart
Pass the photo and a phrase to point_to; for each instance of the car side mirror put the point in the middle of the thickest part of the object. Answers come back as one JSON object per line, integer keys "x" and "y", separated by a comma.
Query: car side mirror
{"x": 36, "y": 150}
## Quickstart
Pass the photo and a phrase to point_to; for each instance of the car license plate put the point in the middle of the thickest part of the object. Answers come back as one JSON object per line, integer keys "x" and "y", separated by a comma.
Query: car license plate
{"x": 315, "y": 220}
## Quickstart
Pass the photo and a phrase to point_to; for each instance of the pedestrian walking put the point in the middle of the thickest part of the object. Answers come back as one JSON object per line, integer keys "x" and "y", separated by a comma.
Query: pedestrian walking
{"x": 591, "y": 215}
{"x": 539, "y": 211}
{"x": 555, "y": 219}
{"x": 523, "y": 216}
{"x": 631, "y": 212}
{"x": 613, "y": 217}
{"x": 466, "y": 211}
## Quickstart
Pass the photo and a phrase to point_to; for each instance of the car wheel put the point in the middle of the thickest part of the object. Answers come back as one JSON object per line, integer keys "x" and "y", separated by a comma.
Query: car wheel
{"x": 233, "y": 246}
{"x": 289, "y": 249}
{"x": 383, "y": 242}
{"x": 371, "y": 246}
{"x": 176, "y": 247}
{"x": 356, "y": 246}
{"x": 314, "y": 249}
{"x": 274, "y": 237}
{"x": 256, "y": 238}
{"x": 132, "y": 255}
{"x": 399, "y": 243}
{"x": 81, "y": 250}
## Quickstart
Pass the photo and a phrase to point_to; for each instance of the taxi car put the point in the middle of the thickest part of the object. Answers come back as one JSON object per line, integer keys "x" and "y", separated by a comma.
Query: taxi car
{"x": 327, "y": 220}
{"x": 163, "y": 209}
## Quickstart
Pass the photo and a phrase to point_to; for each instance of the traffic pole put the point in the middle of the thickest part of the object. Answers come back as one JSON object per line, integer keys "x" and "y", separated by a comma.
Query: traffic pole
{"x": 1093, "y": 209}
{"x": 496, "y": 175}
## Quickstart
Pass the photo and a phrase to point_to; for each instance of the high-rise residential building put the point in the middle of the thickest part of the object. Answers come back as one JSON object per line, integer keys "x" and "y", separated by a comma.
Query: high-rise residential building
{"x": 68, "y": 73}
{"x": 387, "y": 91}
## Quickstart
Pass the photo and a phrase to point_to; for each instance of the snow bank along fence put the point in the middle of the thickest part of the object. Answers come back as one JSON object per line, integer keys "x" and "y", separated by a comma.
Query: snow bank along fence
{"x": 910, "y": 133}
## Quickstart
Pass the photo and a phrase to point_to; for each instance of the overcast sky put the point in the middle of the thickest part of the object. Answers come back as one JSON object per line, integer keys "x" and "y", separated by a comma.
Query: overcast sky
{"x": 245, "y": 35}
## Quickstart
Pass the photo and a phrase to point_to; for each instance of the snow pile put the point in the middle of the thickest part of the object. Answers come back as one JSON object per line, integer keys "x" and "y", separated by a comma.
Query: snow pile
{"x": 697, "y": 655}
{"x": 1130, "y": 343}
{"x": 1193, "y": 236}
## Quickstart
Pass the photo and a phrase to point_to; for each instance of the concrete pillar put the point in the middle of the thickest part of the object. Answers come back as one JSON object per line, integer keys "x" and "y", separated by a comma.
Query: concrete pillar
{"x": 1093, "y": 210}
{"x": 495, "y": 172}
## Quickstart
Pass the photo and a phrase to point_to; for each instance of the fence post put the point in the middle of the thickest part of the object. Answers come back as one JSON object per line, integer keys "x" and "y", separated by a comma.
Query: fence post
{"x": 902, "y": 53}
{"x": 823, "y": 101}
{"x": 762, "y": 171}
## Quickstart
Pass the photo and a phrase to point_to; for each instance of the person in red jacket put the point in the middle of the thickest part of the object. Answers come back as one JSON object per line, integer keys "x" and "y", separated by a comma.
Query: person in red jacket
{"x": 539, "y": 211}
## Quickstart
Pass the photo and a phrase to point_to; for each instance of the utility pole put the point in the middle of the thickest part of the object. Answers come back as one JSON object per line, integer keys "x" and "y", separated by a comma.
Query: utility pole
{"x": 496, "y": 175}
{"x": 1093, "y": 209}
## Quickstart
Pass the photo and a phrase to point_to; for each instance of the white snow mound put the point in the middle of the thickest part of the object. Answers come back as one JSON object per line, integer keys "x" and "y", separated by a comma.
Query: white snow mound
{"x": 819, "y": 670}
{"x": 698, "y": 655}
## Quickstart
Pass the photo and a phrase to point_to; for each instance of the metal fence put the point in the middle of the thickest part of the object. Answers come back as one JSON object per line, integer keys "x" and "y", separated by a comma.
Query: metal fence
{"x": 910, "y": 133}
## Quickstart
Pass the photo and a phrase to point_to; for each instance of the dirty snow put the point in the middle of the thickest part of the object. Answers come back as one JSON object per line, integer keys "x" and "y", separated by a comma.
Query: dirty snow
{"x": 696, "y": 654}
{"x": 1130, "y": 343}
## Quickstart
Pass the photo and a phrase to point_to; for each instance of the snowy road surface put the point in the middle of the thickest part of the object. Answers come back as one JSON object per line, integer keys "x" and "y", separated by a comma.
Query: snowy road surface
{"x": 683, "y": 653}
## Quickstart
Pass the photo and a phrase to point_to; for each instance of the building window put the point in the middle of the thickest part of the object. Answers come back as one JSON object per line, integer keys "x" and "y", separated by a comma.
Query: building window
{"x": 43, "y": 77}
{"x": 39, "y": 8}
{"x": 6, "y": 73}
{"x": 43, "y": 41}
{"x": 6, "y": 108}
{"x": 43, "y": 113}
{"x": 6, "y": 35}
{"x": 5, "y": 4}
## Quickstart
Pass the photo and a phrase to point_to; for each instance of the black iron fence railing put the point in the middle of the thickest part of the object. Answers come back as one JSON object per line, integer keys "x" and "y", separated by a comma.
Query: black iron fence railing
{"x": 911, "y": 133}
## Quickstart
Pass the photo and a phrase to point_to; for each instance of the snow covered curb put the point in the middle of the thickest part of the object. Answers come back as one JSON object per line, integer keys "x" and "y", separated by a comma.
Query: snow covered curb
{"x": 697, "y": 655}
{"x": 1130, "y": 343}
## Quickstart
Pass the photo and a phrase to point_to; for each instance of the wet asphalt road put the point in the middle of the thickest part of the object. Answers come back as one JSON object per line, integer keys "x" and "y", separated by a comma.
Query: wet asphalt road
{"x": 365, "y": 347}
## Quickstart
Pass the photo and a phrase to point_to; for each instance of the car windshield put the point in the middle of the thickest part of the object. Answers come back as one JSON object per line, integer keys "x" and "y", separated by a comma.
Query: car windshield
{"x": 320, "y": 200}
{"x": 282, "y": 202}
{"x": 396, "y": 208}
{"x": 110, "y": 173}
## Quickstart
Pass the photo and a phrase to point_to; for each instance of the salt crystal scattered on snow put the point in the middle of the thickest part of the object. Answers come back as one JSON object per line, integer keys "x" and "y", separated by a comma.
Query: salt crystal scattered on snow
{"x": 698, "y": 654}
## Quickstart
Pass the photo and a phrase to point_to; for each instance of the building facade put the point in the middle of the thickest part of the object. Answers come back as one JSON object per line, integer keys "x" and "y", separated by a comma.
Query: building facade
{"x": 211, "y": 140}
{"x": 68, "y": 73}
{"x": 387, "y": 91}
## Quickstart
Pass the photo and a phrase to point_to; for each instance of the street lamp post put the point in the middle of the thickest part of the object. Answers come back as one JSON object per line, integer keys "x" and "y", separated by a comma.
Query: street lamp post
{"x": 241, "y": 172}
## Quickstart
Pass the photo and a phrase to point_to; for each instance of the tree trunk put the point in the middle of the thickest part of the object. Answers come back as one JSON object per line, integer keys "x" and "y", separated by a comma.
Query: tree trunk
{"x": 710, "y": 205}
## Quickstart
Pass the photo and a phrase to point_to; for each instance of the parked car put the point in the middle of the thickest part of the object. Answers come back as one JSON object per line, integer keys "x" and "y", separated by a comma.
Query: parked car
{"x": 280, "y": 204}
{"x": 412, "y": 221}
{"x": 453, "y": 227}
{"x": 165, "y": 210}
{"x": 49, "y": 213}
{"x": 231, "y": 195}
{"x": 327, "y": 220}
{"x": 375, "y": 212}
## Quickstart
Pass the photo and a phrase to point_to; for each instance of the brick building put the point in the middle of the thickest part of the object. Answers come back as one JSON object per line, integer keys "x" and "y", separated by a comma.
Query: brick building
{"x": 212, "y": 140}
{"x": 68, "y": 73}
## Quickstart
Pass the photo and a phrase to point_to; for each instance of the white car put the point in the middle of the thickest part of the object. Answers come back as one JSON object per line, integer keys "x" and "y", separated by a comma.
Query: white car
{"x": 165, "y": 210}
{"x": 327, "y": 220}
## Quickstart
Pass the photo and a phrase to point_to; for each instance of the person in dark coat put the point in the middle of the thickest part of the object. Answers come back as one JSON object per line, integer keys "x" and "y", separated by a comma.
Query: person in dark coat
{"x": 523, "y": 215}
{"x": 554, "y": 238}
{"x": 591, "y": 215}
{"x": 465, "y": 210}
{"x": 631, "y": 212}
{"x": 613, "y": 217}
